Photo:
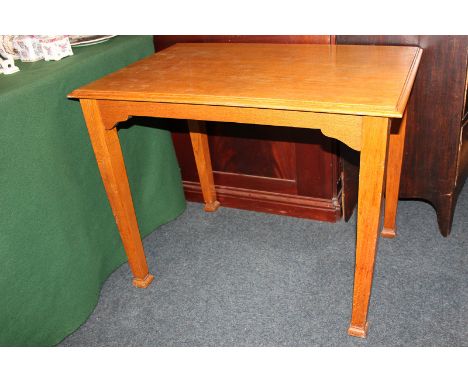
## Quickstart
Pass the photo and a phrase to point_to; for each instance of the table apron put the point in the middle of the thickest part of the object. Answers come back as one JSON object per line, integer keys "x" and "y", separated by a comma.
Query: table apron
{"x": 343, "y": 127}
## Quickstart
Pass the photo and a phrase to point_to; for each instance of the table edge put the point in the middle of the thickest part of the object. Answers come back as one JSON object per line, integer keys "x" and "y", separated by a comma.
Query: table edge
{"x": 410, "y": 78}
{"x": 317, "y": 108}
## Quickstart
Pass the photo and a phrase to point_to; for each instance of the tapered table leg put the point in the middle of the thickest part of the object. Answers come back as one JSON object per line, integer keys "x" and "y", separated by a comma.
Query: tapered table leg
{"x": 375, "y": 132}
{"x": 110, "y": 161}
{"x": 392, "y": 187}
{"x": 201, "y": 152}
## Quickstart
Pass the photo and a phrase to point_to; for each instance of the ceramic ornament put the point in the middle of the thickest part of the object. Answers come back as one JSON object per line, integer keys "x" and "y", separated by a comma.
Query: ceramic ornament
{"x": 7, "y": 64}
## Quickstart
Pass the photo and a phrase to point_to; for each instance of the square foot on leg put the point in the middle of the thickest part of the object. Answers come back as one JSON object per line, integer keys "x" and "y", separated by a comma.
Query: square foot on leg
{"x": 143, "y": 283}
{"x": 212, "y": 207}
{"x": 358, "y": 331}
{"x": 388, "y": 233}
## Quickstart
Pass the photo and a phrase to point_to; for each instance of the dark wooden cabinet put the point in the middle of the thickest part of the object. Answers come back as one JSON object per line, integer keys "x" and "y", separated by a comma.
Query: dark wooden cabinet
{"x": 435, "y": 163}
{"x": 279, "y": 170}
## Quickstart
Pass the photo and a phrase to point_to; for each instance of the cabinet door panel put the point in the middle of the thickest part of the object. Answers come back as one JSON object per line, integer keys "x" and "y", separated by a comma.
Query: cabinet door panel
{"x": 252, "y": 150}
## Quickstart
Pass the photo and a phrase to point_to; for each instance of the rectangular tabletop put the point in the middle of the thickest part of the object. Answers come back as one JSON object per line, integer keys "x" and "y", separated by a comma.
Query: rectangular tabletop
{"x": 340, "y": 79}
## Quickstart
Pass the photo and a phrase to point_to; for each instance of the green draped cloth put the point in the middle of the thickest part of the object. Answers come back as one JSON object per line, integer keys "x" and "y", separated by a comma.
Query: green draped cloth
{"x": 58, "y": 238}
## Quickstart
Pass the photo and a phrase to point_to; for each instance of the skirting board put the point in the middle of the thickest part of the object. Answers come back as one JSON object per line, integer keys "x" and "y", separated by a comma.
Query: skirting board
{"x": 269, "y": 202}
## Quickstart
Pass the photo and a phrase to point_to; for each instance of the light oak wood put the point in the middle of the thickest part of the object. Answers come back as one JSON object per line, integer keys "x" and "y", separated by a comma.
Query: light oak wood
{"x": 375, "y": 132}
{"x": 110, "y": 161}
{"x": 201, "y": 151}
{"x": 349, "y": 92}
{"x": 345, "y": 128}
{"x": 392, "y": 187}
{"x": 339, "y": 79}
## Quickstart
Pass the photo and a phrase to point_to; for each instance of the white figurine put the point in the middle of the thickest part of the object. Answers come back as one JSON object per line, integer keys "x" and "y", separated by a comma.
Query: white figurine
{"x": 7, "y": 64}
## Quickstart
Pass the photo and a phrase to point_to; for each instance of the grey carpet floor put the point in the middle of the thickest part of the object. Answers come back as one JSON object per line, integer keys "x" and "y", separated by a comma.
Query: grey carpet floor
{"x": 241, "y": 278}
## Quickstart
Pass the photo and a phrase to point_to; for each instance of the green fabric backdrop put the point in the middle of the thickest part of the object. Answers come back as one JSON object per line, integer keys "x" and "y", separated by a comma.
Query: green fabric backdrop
{"x": 58, "y": 238}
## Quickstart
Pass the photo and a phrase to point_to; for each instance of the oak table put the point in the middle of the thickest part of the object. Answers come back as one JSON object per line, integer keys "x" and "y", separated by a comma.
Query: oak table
{"x": 350, "y": 93}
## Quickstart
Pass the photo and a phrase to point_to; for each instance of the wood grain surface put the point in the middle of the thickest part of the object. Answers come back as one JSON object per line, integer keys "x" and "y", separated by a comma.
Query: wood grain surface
{"x": 202, "y": 159}
{"x": 375, "y": 133}
{"x": 359, "y": 80}
{"x": 106, "y": 146}
{"x": 392, "y": 186}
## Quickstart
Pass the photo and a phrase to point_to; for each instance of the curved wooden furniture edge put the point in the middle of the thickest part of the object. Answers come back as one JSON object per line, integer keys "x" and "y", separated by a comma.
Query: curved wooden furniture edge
{"x": 360, "y": 332}
{"x": 143, "y": 283}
